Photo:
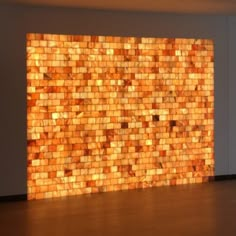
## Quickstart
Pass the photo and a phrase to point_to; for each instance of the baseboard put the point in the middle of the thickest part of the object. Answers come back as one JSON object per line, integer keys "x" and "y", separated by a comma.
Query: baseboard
{"x": 224, "y": 177}
{"x": 13, "y": 198}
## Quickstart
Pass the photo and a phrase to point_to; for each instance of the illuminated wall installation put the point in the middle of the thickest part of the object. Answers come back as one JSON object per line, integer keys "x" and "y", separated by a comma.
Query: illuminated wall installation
{"x": 117, "y": 113}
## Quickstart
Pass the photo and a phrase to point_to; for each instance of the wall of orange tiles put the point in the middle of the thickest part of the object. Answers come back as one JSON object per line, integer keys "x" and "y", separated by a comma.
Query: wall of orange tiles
{"x": 116, "y": 113}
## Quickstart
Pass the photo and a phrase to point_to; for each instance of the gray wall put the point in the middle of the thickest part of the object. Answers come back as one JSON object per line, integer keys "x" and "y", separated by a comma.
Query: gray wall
{"x": 232, "y": 95}
{"x": 15, "y": 22}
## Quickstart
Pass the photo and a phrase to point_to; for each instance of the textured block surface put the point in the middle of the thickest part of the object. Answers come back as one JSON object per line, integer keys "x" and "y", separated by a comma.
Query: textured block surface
{"x": 116, "y": 113}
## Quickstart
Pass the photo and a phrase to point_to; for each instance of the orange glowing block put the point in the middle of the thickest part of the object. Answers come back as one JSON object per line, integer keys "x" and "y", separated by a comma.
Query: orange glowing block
{"x": 116, "y": 113}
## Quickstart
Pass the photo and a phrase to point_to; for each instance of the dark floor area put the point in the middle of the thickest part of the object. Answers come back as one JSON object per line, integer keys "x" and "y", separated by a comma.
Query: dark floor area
{"x": 201, "y": 209}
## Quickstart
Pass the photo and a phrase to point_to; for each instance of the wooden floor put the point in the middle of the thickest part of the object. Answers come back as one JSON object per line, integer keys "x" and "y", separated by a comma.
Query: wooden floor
{"x": 201, "y": 209}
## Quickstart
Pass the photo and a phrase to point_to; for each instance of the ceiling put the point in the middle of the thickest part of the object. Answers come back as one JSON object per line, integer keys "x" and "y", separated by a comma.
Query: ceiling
{"x": 172, "y": 6}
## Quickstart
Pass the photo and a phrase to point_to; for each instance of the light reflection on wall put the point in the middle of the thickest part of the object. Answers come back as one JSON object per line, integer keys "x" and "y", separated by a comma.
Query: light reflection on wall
{"x": 116, "y": 113}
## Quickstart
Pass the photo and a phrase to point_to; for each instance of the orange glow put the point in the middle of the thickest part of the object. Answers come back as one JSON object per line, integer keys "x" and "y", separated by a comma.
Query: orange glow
{"x": 115, "y": 113}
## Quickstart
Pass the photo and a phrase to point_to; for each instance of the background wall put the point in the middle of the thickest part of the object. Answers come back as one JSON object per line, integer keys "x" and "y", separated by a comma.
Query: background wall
{"x": 15, "y": 22}
{"x": 232, "y": 95}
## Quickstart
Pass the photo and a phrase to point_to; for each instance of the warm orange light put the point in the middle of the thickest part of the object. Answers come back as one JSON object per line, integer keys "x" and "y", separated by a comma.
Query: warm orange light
{"x": 114, "y": 113}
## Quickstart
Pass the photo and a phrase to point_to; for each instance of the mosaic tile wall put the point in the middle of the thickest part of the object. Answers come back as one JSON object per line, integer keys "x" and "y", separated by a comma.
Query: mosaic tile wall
{"x": 117, "y": 113}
